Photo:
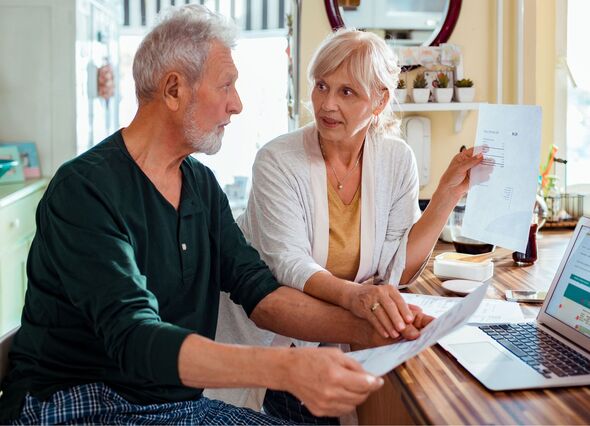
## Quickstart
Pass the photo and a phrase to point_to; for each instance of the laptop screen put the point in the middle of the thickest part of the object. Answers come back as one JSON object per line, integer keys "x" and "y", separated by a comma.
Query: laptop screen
{"x": 570, "y": 301}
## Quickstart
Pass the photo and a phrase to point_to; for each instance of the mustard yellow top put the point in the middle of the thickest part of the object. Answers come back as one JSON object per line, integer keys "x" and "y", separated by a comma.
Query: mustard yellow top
{"x": 344, "y": 248}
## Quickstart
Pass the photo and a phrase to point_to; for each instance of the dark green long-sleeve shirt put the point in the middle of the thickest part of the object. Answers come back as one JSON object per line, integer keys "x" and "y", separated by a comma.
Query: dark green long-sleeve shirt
{"x": 118, "y": 278}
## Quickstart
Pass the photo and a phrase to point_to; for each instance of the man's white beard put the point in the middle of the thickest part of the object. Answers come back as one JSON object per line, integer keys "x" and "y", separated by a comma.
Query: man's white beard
{"x": 206, "y": 143}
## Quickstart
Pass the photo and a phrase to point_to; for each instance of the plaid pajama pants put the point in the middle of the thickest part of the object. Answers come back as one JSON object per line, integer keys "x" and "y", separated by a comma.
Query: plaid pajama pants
{"x": 96, "y": 403}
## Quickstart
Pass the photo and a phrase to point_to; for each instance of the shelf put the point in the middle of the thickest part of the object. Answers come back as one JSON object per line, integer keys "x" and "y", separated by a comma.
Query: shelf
{"x": 434, "y": 106}
{"x": 460, "y": 109}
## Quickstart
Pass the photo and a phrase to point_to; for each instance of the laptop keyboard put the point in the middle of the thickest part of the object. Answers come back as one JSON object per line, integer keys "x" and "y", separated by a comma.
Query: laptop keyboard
{"x": 539, "y": 350}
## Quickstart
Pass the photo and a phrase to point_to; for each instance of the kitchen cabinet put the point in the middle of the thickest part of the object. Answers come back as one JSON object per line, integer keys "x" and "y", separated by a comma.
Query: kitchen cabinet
{"x": 18, "y": 204}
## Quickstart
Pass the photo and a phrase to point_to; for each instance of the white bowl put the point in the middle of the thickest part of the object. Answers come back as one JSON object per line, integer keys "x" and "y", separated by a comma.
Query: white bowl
{"x": 461, "y": 287}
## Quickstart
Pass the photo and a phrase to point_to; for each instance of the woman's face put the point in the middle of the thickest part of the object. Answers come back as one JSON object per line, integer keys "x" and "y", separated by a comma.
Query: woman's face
{"x": 342, "y": 110}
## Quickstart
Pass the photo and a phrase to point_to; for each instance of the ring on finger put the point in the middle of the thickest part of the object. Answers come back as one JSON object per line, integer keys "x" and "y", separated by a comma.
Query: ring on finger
{"x": 374, "y": 306}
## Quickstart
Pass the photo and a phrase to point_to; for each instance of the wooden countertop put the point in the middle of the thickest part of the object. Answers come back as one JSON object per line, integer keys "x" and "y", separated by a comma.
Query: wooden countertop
{"x": 11, "y": 192}
{"x": 435, "y": 389}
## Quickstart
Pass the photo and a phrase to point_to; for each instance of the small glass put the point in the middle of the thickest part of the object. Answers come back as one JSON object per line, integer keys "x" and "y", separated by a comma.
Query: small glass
{"x": 530, "y": 255}
{"x": 463, "y": 244}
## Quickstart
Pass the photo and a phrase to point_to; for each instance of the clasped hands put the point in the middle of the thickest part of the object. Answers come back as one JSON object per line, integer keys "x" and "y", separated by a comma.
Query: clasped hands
{"x": 386, "y": 310}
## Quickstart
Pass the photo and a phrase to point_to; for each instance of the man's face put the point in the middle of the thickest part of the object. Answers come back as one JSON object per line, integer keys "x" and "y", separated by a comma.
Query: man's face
{"x": 213, "y": 102}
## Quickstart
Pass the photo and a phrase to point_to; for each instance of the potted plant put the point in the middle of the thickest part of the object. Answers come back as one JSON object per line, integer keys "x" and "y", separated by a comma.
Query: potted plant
{"x": 464, "y": 90}
{"x": 420, "y": 92}
{"x": 401, "y": 92}
{"x": 442, "y": 92}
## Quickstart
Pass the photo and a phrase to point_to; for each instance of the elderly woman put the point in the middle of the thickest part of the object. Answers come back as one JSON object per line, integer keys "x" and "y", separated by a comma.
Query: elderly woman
{"x": 334, "y": 205}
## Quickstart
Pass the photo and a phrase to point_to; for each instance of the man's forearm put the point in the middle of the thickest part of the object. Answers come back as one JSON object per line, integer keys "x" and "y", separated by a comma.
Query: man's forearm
{"x": 295, "y": 314}
{"x": 203, "y": 363}
{"x": 327, "y": 381}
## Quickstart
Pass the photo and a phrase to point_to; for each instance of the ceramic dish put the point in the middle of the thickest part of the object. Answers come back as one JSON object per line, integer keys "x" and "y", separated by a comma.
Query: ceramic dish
{"x": 461, "y": 287}
{"x": 449, "y": 265}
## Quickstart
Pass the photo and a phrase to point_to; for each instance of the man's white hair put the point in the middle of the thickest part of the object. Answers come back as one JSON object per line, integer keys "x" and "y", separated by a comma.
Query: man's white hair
{"x": 180, "y": 42}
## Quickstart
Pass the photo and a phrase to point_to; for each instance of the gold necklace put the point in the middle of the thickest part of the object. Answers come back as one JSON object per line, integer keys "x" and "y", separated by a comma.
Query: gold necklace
{"x": 340, "y": 182}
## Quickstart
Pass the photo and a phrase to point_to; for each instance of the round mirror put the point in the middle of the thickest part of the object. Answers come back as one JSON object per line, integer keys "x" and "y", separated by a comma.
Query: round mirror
{"x": 401, "y": 22}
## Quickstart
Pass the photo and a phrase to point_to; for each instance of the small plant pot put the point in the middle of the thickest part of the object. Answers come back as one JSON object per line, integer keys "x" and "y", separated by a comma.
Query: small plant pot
{"x": 464, "y": 94}
{"x": 443, "y": 95}
{"x": 420, "y": 96}
{"x": 401, "y": 95}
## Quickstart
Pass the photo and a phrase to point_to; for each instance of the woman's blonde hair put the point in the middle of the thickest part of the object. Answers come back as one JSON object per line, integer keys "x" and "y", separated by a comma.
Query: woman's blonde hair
{"x": 369, "y": 61}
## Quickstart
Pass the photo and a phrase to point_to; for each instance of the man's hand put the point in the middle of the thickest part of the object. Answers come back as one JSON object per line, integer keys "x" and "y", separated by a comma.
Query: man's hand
{"x": 421, "y": 320}
{"x": 328, "y": 382}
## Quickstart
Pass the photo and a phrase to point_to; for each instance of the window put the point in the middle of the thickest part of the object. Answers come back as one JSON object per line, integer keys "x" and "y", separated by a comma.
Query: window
{"x": 262, "y": 86}
{"x": 578, "y": 93}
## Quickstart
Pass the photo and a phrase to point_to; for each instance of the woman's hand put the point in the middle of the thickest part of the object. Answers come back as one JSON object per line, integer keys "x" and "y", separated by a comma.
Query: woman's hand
{"x": 383, "y": 306}
{"x": 411, "y": 332}
{"x": 455, "y": 180}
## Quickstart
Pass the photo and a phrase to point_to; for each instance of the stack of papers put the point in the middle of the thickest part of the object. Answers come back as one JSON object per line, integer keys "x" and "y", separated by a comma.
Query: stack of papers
{"x": 454, "y": 312}
{"x": 379, "y": 361}
{"x": 491, "y": 311}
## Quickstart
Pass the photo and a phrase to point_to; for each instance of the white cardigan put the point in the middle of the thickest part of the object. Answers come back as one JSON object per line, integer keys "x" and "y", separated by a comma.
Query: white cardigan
{"x": 287, "y": 221}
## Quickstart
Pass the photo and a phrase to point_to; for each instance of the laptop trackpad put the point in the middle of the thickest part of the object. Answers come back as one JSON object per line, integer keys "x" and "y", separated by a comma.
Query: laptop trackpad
{"x": 479, "y": 352}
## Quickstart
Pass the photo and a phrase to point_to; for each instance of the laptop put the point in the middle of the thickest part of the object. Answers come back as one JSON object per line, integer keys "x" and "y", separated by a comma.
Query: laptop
{"x": 553, "y": 350}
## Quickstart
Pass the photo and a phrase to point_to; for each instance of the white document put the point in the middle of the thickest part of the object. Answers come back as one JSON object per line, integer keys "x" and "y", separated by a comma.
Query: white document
{"x": 499, "y": 210}
{"x": 379, "y": 361}
{"x": 491, "y": 311}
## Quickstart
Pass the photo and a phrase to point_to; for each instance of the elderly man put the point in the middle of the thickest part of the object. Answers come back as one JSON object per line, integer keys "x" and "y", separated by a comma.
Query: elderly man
{"x": 135, "y": 240}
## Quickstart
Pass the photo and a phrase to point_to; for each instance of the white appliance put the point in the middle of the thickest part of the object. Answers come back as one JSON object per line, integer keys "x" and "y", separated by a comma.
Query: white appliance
{"x": 550, "y": 352}
{"x": 416, "y": 132}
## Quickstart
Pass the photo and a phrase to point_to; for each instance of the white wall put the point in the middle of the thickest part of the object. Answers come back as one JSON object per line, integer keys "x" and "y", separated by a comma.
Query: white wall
{"x": 37, "y": 75}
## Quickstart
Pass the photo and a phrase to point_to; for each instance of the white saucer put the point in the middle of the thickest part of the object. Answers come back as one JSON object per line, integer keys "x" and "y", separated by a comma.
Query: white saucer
{"x": 461, "y": 286}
